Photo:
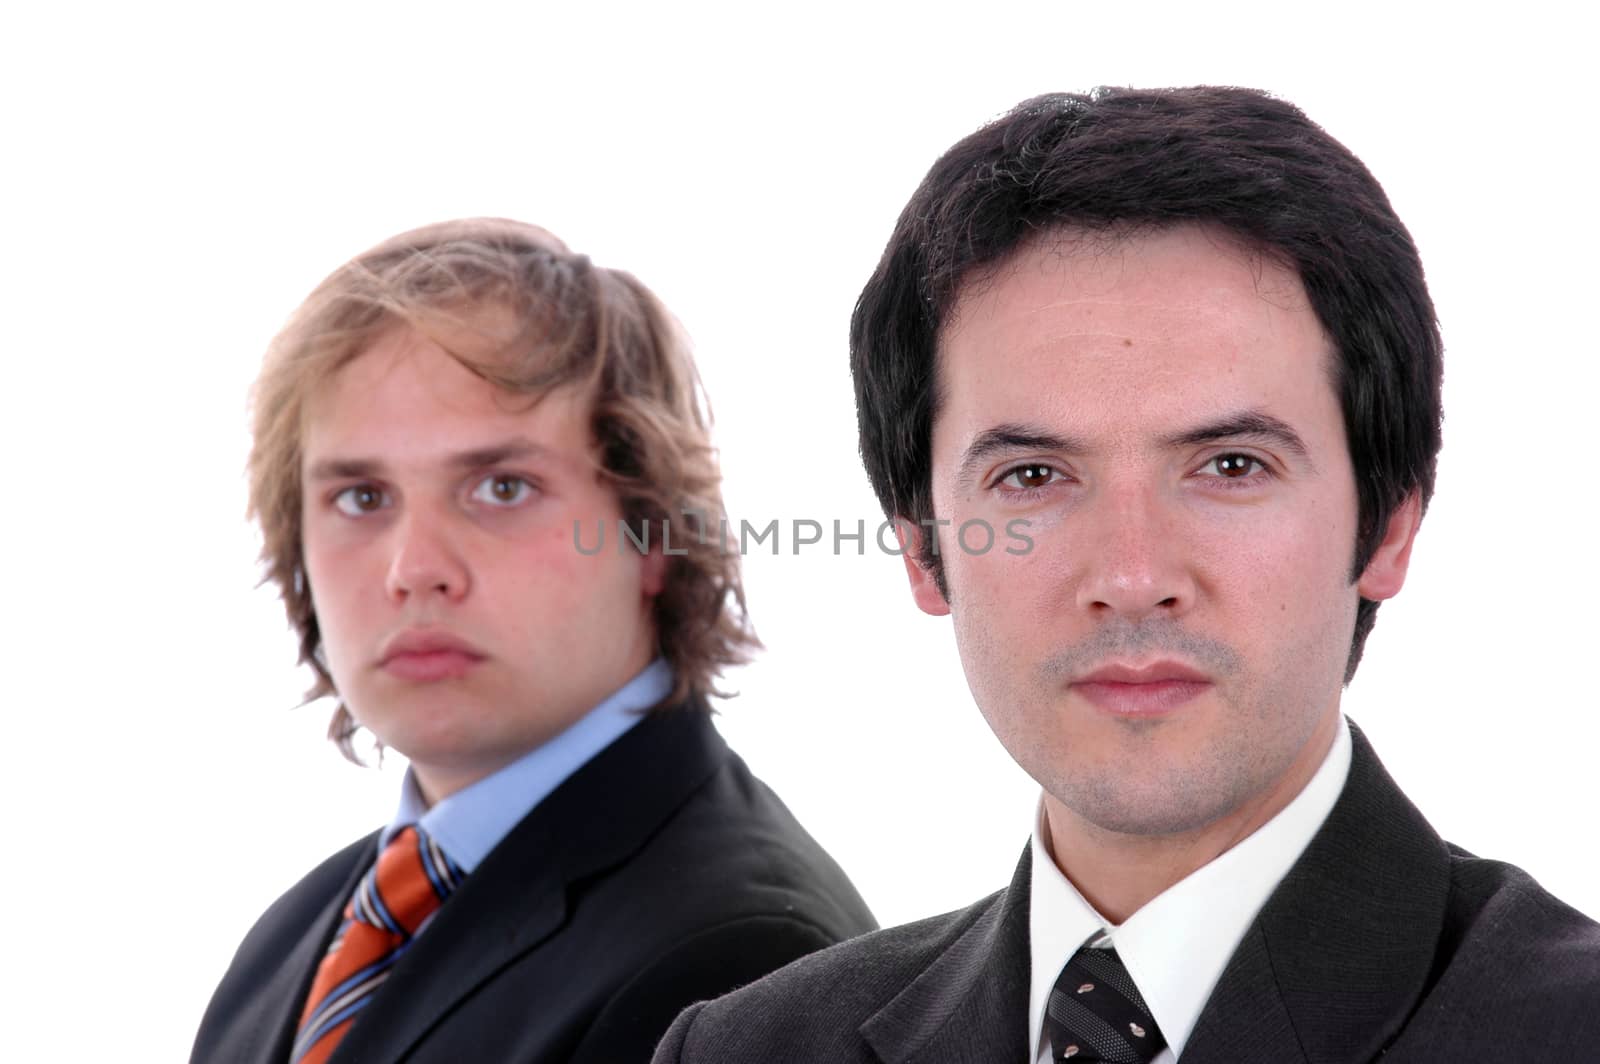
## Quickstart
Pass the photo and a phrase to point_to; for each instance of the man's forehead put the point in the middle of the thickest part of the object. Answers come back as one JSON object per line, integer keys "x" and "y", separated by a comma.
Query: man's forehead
{"x": 1137, "y": 340}
{"x": 1073, "y": 264}
{"x": 407, "y": 400}
{"x": 489, "y": 357}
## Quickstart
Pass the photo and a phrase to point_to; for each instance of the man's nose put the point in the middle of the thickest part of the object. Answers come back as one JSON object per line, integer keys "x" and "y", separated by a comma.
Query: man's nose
{"x": 425, "y": 560}
{"x": 1135, "y": 560}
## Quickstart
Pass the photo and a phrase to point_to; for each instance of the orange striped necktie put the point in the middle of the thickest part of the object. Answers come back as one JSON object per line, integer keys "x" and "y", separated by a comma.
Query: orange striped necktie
{"x": 409, "y": 882}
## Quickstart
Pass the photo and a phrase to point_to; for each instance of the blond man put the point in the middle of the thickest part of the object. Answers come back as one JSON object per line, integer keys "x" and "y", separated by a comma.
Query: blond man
{"x": 483, "y": 475}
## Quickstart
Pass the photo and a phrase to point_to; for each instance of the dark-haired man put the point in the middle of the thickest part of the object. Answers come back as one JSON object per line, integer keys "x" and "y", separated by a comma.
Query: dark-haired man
{"x": 1184, "y": 337}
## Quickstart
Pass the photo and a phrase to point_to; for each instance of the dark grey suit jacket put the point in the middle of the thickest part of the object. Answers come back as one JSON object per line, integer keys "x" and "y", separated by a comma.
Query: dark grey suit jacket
{"x": 1382, "y": 940}
{"x": 658, "y": 874}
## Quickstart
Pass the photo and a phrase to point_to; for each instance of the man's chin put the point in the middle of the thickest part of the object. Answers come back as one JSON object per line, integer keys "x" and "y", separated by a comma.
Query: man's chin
{"x": 452, "y": 741}
{"x": 1157, "y": 806}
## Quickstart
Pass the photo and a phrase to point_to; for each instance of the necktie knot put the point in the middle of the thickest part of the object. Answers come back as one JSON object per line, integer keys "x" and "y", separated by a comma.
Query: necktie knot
{"x": 1096, "y": 1013}
{"x": 411, "y": 879}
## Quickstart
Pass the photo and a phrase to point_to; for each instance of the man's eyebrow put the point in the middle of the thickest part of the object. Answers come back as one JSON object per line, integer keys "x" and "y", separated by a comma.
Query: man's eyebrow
{"x": 1013, "y": 437}
{"x": 494, "y": 454}
{"x": 476, "y": 458}
{"x": 1245, "y": 425}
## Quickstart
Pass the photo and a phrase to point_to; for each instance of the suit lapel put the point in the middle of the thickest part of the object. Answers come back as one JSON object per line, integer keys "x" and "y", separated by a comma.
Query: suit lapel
{"x": 1340, "y": 954}
{"x": 274, "y": 1013}
{"x": 971, "y": 1003}
{"x": 519, "y": 896}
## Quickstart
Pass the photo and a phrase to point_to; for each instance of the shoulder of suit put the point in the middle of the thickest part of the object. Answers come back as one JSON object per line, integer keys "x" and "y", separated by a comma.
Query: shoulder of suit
{"x": 1500, "y": 920}
{"x": 838, "y": 988}
{"x": 317, "y": 886}
{"x": 732, "y": 848}
{"x": 280, "y": 928}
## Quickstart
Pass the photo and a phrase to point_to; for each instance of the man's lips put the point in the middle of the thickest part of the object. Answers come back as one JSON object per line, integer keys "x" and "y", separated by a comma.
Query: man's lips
{"x": 1149, "y": 690}
{"x": 427, "y": 656}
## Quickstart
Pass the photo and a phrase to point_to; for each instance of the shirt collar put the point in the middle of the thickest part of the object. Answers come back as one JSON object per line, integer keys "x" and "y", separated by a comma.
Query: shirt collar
{"x": 471, "y": 822}
{"x": 1176, "y": 946}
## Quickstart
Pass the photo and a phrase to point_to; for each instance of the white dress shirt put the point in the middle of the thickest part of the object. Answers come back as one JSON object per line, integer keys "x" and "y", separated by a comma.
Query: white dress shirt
{"x": 1177, "y": 945}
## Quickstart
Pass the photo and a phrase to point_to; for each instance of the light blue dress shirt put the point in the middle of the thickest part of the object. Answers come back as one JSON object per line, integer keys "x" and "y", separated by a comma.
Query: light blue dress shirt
{"x": 472, "y": 821}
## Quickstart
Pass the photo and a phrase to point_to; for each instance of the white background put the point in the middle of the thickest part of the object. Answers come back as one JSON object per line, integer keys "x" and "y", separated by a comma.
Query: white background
{"x": 176, "y": 179}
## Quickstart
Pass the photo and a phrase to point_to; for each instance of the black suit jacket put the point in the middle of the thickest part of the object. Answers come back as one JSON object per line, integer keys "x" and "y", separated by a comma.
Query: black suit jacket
{"x": 1382, "y": 939}
{"x": 658, "y": 874}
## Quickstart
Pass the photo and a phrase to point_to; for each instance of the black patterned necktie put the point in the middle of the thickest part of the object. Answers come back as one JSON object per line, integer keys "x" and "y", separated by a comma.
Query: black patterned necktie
{"x": 1096, "y": 1013}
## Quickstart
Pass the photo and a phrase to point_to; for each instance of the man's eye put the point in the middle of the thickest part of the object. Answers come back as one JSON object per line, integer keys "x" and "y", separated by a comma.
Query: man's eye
{"x": 360, "y": 499}
{"x": 1234, "y": 466}
{"x": 502, "y": 490}
{"x": 1030, "y": 476}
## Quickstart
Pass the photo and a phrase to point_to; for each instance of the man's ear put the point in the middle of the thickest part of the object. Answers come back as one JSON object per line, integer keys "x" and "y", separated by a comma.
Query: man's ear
{"x": 652, "y": 571}
{"x": 924, "y": 585}
{"x": 1386, "y": 572}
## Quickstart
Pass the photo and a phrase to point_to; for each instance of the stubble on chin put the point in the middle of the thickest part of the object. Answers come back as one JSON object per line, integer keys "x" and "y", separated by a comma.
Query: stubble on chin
{"x": 1158, "y": 800}
{"x": 1143, "y": 783}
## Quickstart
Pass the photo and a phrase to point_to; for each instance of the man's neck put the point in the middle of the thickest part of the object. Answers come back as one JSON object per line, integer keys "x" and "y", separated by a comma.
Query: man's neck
{"x": 1118, "y": 873}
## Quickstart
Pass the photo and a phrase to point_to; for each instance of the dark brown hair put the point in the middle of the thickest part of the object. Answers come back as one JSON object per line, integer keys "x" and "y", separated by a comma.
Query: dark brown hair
{"x": 1118, "y": 160}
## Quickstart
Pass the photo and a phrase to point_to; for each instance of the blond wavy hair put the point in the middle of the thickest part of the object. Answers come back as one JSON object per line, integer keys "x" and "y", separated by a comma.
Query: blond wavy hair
{"x": 575, "y": 324}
